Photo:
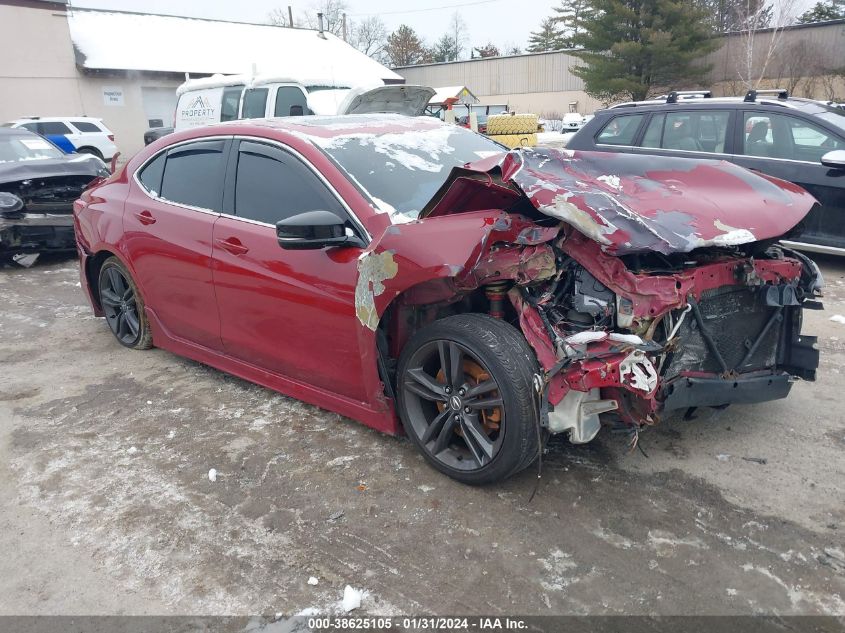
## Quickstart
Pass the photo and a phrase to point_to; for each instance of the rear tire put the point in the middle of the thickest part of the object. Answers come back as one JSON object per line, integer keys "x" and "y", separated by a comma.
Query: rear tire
{"x": 466, "y": 398}
{"x": 90, "y": 150}
{"x": 123, "y": 306}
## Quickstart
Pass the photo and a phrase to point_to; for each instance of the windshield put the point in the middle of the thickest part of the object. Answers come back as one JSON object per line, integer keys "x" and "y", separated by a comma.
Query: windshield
{"x": 831, "y": 116}
{"x": 401, "y": 171}
{"x": 18, "y": 147}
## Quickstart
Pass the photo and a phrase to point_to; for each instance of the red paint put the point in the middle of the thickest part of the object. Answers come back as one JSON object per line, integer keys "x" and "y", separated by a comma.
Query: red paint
{"x": 221, "y": 291}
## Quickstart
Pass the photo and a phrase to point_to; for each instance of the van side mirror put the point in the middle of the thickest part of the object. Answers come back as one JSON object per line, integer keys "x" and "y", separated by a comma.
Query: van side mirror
{"x": 835, "y": 159}
{"x": 296, "y": 110}
{"x": 315, "y": 230}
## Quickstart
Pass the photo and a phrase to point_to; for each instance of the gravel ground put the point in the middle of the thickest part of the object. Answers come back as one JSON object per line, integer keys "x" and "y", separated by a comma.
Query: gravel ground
{"x": 106, "y": 506}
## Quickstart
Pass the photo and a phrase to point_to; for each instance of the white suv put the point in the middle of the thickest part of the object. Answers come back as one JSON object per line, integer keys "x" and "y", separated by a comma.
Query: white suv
{"x": 86, "y": 134}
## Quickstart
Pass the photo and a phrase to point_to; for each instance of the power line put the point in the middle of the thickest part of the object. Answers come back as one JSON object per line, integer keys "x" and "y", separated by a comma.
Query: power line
{"x": 445, "y": 6}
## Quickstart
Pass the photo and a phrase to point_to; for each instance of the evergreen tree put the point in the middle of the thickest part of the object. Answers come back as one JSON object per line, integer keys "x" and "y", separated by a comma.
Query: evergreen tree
{"x": 444, "y": 49}
{"x": 633, "y": 47}
{"x": 404, "y": 47}
{"x": 548, "y": 38}
{"x": 823, "y": 11}
{"x": 571, "y": 16}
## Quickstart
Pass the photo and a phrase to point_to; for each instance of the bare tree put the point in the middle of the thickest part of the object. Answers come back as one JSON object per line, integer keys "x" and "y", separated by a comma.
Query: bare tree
{"x": 457, "y": 33}
{"x": 332, "y": 11}
{"x": 370, "y": 37}
{"x": 278, "y": 17}
{"x": 796, "y": 61}
{"x": 761, "y": 33}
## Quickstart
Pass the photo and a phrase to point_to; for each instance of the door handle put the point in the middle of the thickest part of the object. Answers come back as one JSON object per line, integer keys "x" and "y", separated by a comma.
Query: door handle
{"x": 233, "y": 245}
{"x": 145, "y": 217}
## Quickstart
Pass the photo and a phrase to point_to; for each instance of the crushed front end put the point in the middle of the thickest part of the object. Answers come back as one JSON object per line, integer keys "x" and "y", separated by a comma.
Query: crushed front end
{"x": 36, "y": 204}
{"x": 643, "y": 286}
{"x": 628, "y": 340}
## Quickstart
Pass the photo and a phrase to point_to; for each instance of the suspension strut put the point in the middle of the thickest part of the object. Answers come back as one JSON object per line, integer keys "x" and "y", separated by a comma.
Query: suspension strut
{"x": 496, "y": 296}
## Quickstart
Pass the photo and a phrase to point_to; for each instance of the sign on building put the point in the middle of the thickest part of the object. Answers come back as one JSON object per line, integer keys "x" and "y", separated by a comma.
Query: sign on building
{"x": 113, "y": 95}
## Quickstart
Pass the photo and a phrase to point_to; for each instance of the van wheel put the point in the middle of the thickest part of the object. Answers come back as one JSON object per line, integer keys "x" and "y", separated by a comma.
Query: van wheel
{"x": 466, "y": 397}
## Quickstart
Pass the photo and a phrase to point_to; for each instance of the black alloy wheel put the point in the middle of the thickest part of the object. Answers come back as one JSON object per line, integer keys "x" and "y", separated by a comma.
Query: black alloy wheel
{"x": 123, "y": 306}
{"x": 466, "y": 397}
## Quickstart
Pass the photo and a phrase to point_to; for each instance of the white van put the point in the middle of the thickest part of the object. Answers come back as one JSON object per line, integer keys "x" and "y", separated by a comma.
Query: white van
{"x": 226, "y": 98}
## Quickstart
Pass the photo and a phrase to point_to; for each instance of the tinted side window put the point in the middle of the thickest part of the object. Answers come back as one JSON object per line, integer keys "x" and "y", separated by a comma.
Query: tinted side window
{"x": 699, "y": 131}
{"x": 231, "y": 101}
{"x": 620, "y": 130}
{"x": 32, "y": 127}
{"x": 272, "y": 185}
{"x": 85, "y": 126}
{"x": 288, "y": 97}
{"x": 654, "y": 131}
{"x": 150, "y": 175}
{"x": 193, "y": 175}
{"x": 255, "y": 103}
{"x": 53, "y": 127}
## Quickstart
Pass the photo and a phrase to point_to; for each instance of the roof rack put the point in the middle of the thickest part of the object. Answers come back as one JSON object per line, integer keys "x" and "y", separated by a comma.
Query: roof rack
{"x": 672, "y": 97}
{"x": 751, "y": 95}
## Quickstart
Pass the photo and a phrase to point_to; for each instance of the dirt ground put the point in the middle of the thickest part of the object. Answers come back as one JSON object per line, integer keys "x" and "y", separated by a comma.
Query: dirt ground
{"x": 106, "y": 506}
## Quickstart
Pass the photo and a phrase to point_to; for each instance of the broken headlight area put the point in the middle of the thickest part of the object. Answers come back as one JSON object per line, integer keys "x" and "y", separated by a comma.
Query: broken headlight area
{"x": 625, "y": 340}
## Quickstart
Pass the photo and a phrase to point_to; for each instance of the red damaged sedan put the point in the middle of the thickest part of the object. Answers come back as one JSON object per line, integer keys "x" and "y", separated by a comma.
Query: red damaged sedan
{"x": 412, "y": 275}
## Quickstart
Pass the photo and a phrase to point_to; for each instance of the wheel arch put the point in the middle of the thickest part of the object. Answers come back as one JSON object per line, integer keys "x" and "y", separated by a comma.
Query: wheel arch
{"x": 93, "y": 264}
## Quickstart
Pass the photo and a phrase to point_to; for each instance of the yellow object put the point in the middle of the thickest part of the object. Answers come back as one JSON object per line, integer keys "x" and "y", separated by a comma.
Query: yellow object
{"x": 515, "y": 140}
{"x": 512, "y": 124}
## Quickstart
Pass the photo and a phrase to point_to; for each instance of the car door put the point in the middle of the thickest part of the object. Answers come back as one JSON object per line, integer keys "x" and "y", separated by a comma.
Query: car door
{"x": 691, "y": 133}
{"x": 168, "y": 226}
{"x": 790, "y": 147}
{"x": 286, "y": 311}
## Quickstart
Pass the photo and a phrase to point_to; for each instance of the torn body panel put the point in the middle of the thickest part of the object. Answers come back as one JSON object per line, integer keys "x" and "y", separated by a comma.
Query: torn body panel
{"x": 618, "y": 334}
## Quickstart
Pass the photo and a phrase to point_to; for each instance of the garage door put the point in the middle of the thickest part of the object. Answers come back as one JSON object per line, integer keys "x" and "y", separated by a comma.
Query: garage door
{"x": 159, "y": 105}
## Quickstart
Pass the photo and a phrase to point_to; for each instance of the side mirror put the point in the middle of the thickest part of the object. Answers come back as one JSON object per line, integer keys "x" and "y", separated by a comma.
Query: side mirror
{"x": 835, "y": 159}
{"x": 315, "y": 230}
{"x": 296, "y": 110}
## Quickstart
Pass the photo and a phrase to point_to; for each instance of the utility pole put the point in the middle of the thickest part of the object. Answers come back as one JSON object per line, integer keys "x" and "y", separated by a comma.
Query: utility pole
{"x": 290, "y": 16}
{"x": 344, "y": 26}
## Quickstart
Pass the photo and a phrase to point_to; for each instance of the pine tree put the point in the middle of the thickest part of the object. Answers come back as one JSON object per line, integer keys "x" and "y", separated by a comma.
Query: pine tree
{"x": 633, "y": 47}
{"x": 444, "y": 49}
{"x": 404, "y": 47}
{"x": 548, "y": 38}
{"x": 823, "y": 11}
{"x": 571, "y": 17}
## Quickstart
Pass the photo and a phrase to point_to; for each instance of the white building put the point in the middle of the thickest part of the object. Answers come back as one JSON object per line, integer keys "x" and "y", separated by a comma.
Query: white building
{"x": 124, "y": 67}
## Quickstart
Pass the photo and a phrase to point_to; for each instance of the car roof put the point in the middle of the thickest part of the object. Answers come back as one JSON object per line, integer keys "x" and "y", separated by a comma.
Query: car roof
{"x": 810, "y": 106}
{"x": 339, "y": 125}
{"x": 35, "y": 119}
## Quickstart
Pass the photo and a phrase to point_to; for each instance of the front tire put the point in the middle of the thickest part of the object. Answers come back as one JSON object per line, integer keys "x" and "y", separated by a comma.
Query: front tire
{"x": 466, "y": 397}
{"x": 90, "y": 150}
{"x": 123, "y": 306}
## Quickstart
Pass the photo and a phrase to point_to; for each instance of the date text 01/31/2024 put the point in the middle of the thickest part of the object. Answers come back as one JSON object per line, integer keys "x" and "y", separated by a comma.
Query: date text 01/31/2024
{"x": 416, "y": 623}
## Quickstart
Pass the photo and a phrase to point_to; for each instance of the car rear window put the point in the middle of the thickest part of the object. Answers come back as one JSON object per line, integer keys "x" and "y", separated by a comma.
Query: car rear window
{"x": 150, "y": 175}
{"x": 193, "y": 175}
{"x": 620, "y": 130}
{"x": 85, "y": 126}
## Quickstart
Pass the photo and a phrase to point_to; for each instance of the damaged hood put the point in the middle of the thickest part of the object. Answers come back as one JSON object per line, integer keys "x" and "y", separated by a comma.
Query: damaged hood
{"x": 70, "y": 165}
{"x": 630, "y": 203}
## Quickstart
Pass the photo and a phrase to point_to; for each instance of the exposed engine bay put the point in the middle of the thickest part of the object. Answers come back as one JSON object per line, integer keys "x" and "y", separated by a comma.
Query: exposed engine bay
{"x": 36, "y": 204}
{"x": 627, "y": 323}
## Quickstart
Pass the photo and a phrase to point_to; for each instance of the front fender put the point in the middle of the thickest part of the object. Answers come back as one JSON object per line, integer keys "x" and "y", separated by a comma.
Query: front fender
{"x": 456, "y": 247}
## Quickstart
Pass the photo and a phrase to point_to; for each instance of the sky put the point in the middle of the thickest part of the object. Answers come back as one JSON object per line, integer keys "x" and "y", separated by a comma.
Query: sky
{"x": 504, "y": 22}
